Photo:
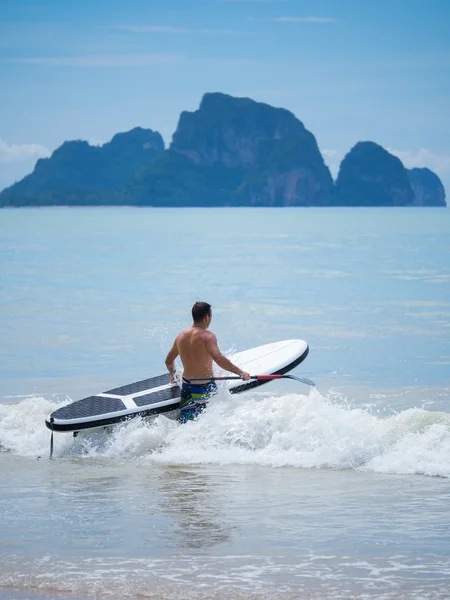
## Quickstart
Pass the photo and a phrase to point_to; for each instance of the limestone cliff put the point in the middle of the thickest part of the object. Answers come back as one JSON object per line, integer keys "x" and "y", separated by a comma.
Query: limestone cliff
{"x": 227, "y": 130}
{"x": 427, "y": 187}
{"x": 229, "y": 152}
{"x": 240, "y": 152}
{"x": 370, "y": 176}
{"x": 289, "y": 172}
{"x": 78, "y": 173}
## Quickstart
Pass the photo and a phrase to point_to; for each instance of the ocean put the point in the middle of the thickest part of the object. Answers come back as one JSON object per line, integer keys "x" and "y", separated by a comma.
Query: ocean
{"x": 285, "y": 492}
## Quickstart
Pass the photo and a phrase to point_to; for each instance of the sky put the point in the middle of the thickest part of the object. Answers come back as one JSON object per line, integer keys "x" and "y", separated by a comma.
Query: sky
{"x": 350, "y": 70}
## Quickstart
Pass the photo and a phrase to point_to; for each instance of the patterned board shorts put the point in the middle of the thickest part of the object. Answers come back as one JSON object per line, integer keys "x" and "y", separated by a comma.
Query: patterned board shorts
{"x": 194, "y": 399}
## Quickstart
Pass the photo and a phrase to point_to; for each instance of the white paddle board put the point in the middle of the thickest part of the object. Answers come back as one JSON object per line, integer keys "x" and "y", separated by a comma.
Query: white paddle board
{"x": 157, "y": 395}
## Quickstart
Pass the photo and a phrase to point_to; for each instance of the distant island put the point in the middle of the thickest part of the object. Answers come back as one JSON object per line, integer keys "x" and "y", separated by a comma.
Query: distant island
{"x": 230, "y": 152}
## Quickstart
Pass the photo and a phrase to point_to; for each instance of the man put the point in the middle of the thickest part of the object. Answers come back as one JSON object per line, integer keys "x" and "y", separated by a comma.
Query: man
{"x": 197, "y": 348}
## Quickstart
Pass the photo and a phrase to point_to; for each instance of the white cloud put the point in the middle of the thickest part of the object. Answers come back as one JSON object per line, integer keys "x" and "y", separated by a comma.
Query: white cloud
{"x": 423, "y": 158}
{"x": 129, "y": 60}
{"x": 332, "y": 159}
{"x": 175, "y": 30}
{"x": 297, "y": 20}
{"x": 21, "y": 152}
{"x": 330, "y": 153}
{"x": 17, "y": 160}
{"x": 303, "y": 20}
{"x": 153, "y": 29}
{"x": 94, "y": 142}
{"x": 107, "y": 60}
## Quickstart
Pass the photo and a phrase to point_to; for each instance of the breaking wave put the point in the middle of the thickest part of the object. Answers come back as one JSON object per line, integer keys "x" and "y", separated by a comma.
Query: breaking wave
{"x": 302, "y": 431}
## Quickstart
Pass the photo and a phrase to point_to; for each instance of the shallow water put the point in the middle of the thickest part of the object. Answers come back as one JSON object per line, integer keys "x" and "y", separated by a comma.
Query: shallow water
{"x": 282, "y": 492}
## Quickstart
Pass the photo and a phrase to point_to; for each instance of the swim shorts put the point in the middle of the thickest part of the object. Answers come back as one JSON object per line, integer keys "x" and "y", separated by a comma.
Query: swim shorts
{"x": 194, "y": 398}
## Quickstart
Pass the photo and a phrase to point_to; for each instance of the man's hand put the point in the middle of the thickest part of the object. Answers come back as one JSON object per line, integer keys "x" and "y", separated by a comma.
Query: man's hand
{"x": 245, "y": 376}
{"x": 170, "y": 361}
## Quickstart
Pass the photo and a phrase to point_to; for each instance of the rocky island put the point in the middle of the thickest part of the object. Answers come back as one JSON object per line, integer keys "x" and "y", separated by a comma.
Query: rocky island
{"x": 229, "y": 152}
{"x": 427, "y": 188}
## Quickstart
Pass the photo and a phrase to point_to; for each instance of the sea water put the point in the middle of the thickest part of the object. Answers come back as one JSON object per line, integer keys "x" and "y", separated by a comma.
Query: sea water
{"x": 286, "y": 491}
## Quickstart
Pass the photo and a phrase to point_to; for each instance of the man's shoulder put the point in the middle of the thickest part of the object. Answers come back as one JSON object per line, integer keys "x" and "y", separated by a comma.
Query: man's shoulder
{"x": 209, "y": 336}
{"x": 194, "y": 331}
{"x": 204, "y": 334}
{"x": 183, "y": 334}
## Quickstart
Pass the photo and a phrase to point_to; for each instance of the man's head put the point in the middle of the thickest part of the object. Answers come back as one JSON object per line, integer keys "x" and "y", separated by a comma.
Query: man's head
{"x": 201, "y": 313}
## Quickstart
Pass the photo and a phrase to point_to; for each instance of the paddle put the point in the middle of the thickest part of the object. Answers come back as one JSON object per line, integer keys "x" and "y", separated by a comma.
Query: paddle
{"x": 257, "y": 377}
{"x": 51, "y": 438}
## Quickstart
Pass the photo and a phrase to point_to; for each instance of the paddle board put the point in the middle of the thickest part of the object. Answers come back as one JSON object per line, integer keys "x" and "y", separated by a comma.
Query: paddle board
{"x": 157, "y": 395}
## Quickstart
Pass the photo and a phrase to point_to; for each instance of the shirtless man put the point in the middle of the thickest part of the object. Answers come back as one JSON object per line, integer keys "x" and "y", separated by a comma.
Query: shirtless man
{"x": 197, "y": 348}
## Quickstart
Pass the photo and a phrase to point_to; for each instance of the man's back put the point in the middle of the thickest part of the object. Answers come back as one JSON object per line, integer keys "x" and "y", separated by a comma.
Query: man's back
{"x": 194, "y": 354}
{"x": 197, "y": 347}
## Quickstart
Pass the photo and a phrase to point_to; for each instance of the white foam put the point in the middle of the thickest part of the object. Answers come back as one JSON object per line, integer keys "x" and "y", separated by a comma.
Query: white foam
{"x": 307, "y": 431}
{"x": 308, "y": 575}
{"x": 22, "y": 426}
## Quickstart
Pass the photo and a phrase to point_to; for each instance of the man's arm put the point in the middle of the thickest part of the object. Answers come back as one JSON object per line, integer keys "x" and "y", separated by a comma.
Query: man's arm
{"x": 221, "y": 360}
{"x": 170, "y": 360}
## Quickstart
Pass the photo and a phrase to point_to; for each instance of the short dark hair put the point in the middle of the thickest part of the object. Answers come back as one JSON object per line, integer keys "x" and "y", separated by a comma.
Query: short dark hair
{"x": 200, "y": 310}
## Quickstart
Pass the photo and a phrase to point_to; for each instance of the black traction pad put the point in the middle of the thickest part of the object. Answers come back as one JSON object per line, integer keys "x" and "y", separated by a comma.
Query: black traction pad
{"x": 140, "y": 386}
{"x": 89, "y": 407}
{"x": 169, "y": 394}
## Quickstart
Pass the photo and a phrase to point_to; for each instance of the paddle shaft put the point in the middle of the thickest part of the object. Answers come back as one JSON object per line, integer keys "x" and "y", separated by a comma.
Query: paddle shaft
{"x": 251, "y": 377}
{"x": 257, "y": 377}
